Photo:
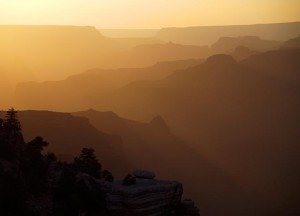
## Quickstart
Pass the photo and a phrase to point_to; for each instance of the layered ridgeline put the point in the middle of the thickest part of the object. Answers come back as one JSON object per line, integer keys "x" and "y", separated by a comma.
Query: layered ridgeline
{"x": 42, "y": 53}
{"x": 241, "y": 115}
{"x": 75, "y": 92}
{"x": 206, "y": 35}
{"x": 32, "y": 53}
{"x": 52, "y": 52}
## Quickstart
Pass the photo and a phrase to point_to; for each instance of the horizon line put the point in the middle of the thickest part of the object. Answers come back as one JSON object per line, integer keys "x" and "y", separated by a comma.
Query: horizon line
{"x": 192, "y": 26}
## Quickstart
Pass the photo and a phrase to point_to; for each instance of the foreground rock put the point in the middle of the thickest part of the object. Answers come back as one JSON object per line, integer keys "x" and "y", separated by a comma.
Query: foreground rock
{"x": 148, "y": 196}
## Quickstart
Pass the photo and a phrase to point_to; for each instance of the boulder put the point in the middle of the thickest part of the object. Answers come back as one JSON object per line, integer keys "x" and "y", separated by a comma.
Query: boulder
{"x": 144, "y": 174}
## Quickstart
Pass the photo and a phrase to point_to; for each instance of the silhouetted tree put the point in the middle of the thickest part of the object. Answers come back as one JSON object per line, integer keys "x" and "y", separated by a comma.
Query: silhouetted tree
{"x": 73, "y": 196}
{"x": 1, "y": 126}
{"x": 12, "y": 143}
{"x": 88, "y": 163}
{"x": 12, "y": 193}
{"x": 11, "y": 122}
{"x": 27, "y": 175}
{"x": 12, "y": 185}
{"x": 50, "y": 157}
{"x": 2, "y": 141}
{"x": 107, "y": 176}
{"x": 66, "y": 200}
{"x": 35, "y": 166}
{"x": 34, "y": 148}
{"x": 129, "y": 180}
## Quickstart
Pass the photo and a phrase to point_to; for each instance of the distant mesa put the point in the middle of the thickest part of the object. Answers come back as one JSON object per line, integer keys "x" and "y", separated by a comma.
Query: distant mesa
{"x": 229, "y": 44}
{"x": 207, "y": 35}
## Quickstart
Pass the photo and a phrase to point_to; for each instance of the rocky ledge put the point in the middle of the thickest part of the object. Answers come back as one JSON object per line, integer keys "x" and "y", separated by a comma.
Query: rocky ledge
{"x": 146, "y": 196}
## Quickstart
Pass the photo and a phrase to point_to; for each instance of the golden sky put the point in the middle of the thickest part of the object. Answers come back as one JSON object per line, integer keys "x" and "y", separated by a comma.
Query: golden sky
{"x": 147, "y": 13}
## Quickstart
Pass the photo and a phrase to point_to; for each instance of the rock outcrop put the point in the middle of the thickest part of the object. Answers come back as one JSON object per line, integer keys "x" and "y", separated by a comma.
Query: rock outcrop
{"x": 145, "y": 197}
{"x": 148, "y": 196}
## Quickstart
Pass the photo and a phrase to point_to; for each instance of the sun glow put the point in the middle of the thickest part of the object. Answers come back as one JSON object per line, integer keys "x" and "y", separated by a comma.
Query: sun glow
{"x": 145, "y": 13}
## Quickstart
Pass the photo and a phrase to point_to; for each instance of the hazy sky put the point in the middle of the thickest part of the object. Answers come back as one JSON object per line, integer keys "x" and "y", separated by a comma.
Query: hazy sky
{"x": 147, "y": 13}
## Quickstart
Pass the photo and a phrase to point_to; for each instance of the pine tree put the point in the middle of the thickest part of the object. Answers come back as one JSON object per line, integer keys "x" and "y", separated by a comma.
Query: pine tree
{"x": 34, "y": 148}
{"x": 1, "y": 133}
{"x": 12, "y": 142}
{"x": 35, "y": 166}
{"x": 11, "y": 122}
{"x": 88, "y": 163}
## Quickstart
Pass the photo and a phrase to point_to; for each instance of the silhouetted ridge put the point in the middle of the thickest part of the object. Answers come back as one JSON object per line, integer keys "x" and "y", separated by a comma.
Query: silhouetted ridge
{"x": 159, "y": 123}
{"x": 72, "y": 93}
{"x": 221, "y": 60}
{"x": 242, "y": 52}
{"x": 105, "y": 113}
{"x": 282, "y": 63}
{"x": 293, "y": 43}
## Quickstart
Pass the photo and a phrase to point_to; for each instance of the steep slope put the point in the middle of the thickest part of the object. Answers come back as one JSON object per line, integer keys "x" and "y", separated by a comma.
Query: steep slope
{"x": 69, "y": 134}
{"x": 154, "y": 138}
{"x": 242, "y": 116}
{"x": 74, "y": 92}
{"x": 153, "y": 146}
{"x": 206, "y": 35}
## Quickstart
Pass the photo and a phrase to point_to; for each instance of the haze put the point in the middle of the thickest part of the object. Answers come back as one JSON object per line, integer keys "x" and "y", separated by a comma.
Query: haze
{"x": 145, "y": 13}
{"x": 149, "y": 107}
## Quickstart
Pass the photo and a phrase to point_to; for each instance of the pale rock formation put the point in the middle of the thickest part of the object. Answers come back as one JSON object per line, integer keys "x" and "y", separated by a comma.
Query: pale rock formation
{"x": 144, "y": 174}
{"x": 148, "y": 197}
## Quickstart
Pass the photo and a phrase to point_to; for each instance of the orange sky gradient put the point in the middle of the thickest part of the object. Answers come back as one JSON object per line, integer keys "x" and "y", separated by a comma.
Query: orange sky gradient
{"x": 147, "y": 14}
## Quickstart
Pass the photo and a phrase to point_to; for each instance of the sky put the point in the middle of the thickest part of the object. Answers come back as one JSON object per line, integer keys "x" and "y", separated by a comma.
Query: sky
{"x": 147, "y": 14}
